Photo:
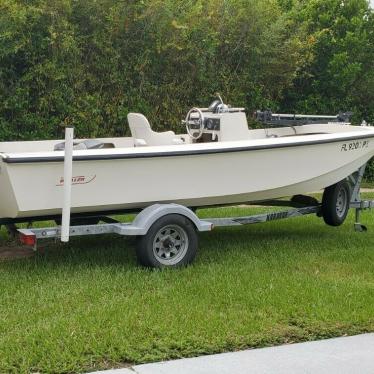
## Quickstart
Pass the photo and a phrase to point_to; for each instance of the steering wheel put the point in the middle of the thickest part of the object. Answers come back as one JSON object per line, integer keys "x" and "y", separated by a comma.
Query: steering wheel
{"x": 195, "y": 121}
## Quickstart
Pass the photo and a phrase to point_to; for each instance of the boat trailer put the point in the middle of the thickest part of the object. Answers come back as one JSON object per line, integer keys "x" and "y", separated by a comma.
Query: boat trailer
{"x": 166, "y": 233}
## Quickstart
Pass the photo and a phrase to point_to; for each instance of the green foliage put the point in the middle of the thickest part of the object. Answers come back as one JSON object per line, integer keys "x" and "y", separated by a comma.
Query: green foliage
{"x": 370, "y": 172}
{"x": 89, "y": 63}
{"x": 339, "y": 75}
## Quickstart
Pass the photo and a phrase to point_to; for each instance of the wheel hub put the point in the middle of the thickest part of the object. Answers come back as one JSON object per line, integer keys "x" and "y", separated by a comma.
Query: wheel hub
{"x": 170, "y": 244}
{"x": 341, "y": 202}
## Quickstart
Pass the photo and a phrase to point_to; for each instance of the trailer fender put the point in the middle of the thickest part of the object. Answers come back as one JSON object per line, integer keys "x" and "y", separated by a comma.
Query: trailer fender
{"x": 147, "y": 217}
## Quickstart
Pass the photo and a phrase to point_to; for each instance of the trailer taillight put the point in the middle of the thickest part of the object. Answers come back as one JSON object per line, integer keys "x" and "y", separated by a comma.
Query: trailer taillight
{"x": 28, "y": 239}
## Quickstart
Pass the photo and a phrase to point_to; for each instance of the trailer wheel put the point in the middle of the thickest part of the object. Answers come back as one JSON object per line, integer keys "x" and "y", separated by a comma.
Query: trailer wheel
{"x": 335, "y": 203}
{"x": 170, "y": 242}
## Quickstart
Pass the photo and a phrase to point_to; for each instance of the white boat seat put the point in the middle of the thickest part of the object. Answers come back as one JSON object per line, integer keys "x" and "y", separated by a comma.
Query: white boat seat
{"x": 143, "y": 134}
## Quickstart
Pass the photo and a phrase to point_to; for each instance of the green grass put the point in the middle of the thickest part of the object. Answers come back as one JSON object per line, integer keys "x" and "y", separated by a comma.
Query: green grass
{"x": 368, "y": 184}
{"x": 89, "y": 306}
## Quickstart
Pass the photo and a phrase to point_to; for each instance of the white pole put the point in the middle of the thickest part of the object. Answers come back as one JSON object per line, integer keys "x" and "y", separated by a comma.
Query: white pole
{"x": 68, "y": 174}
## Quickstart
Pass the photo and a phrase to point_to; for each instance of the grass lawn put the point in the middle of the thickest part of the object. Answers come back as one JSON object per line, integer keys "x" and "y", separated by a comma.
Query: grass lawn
{"x": 89, "y": 306}
{"x": 367, "y": 184}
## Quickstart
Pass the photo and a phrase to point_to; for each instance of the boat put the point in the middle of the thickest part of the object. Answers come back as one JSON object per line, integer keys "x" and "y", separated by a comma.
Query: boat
{"x": 217, "y": 161}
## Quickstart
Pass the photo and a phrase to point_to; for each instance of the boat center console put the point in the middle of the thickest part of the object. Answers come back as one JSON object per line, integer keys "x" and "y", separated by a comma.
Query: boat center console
{"x": 219, "y": 122}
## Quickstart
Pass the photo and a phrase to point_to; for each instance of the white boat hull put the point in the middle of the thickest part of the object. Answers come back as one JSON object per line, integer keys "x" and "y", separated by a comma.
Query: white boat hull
{"x": 192, "y": 175}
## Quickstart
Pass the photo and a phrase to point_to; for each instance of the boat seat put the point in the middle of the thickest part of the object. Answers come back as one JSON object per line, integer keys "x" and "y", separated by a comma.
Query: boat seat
{"x": 85, "y": 144}
{"x": 143, "y": 134}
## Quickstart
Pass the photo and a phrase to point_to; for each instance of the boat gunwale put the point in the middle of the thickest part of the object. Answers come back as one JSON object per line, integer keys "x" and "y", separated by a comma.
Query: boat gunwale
{"x": 190, "y": 152}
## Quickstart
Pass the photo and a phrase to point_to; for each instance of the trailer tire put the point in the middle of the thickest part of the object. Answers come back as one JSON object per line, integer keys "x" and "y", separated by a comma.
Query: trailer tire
{"x": 169, "y": 243}
{"x": 335, "y": 203}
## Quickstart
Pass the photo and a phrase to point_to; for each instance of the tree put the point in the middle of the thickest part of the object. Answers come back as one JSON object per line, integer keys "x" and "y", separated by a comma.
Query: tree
{"x": 339, "y": 74}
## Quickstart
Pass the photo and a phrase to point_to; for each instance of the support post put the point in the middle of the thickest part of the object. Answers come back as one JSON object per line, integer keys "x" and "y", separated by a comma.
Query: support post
{"x": 68, "y": 174}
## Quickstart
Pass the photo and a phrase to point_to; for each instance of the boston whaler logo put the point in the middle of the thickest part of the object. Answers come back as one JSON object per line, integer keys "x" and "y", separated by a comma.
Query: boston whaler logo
{"x": 80, "y": 179}
{"x": 352, "y": 146}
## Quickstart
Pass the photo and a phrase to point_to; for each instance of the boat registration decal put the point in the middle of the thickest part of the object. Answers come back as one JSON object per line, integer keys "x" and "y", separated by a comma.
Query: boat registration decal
{"x": 80, "y": 179}
{"x": 353, "y": 146}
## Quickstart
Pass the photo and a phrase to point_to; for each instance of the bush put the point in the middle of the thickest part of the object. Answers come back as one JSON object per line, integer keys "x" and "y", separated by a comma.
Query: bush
{"x": 90, "y": 63}
{"x": 369, "y": 175}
